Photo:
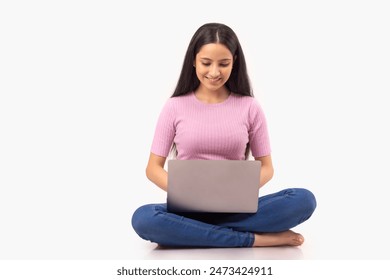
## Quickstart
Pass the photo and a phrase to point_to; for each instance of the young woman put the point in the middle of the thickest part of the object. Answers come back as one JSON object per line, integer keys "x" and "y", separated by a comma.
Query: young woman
{"x": 213, "y": 115}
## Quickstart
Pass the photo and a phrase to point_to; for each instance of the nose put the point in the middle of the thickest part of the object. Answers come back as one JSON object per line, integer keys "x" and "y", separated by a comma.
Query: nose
{"x": 214, "y": 71}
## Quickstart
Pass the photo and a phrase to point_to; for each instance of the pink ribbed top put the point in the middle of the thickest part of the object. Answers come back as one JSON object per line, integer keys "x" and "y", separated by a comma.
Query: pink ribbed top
{"x": 211, "y": 131}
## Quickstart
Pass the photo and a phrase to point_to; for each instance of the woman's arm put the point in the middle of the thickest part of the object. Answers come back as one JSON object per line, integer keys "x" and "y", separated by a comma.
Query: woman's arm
{"x": 267, "y": 170}
{"x": 155, "y": 171}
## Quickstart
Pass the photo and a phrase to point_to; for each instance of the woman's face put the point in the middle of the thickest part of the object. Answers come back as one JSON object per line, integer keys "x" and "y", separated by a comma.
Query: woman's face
{"x": 213, "y": 64}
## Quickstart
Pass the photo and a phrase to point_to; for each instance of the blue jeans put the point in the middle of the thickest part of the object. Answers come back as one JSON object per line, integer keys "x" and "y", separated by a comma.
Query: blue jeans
{"x": 277, "y": 212}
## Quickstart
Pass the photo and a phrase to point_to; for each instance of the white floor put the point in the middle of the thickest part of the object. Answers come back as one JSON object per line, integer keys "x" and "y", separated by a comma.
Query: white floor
{"x": 283, "y": 253}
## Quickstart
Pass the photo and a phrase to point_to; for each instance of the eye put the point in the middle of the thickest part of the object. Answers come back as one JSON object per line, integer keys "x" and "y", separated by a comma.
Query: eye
{"x": 224, "y": 65}
{"x": 206, "y": 64}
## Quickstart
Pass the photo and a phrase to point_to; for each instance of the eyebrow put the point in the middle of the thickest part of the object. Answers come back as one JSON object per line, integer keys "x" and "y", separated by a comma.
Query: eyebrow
{"x": 224, "y": 59}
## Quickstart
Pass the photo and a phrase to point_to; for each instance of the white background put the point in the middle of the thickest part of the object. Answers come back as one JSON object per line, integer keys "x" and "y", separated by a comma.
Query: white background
{"x": 82, "y": 84}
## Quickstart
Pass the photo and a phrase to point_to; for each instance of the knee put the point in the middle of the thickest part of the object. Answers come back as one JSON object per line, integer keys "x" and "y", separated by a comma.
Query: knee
{"x": 307, "y": 200}
{"x": 141, "y": 219}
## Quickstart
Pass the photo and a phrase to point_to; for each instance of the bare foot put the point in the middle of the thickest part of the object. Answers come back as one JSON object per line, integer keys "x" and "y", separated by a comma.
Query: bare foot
{"x": 288, "y": 237}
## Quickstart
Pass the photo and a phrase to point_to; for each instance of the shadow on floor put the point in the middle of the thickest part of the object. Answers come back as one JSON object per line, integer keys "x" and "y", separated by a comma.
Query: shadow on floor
{"x": 263, "y": 253}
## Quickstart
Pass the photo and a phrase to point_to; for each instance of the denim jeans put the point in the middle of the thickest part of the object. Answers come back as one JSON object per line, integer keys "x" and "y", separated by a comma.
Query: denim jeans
{"x": 277, "y": 212}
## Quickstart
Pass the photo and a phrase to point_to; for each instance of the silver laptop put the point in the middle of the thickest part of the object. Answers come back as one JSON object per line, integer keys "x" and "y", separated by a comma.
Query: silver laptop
{"x": 222, "y": 186}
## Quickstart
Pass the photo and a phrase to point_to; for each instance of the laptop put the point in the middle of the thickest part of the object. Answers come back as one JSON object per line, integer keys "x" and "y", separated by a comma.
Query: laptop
{"x": 215, "y": 186}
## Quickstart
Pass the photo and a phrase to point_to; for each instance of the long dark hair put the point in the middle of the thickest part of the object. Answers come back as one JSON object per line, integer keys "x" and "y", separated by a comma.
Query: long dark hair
{"x": 208, "y": 33}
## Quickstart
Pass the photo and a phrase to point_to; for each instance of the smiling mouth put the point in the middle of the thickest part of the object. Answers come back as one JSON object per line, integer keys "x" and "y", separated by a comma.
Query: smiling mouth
{"x": 213, "y": 79}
